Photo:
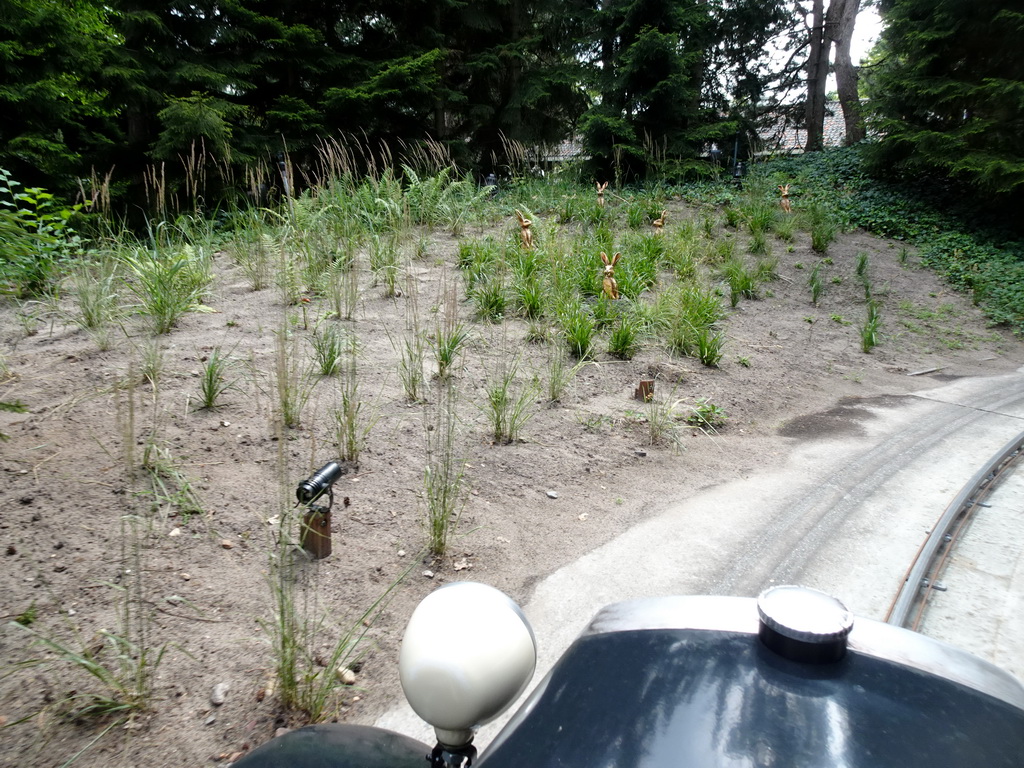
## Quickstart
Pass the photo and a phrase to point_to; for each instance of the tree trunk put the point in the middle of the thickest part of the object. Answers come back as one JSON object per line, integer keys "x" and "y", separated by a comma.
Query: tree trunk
{"x": 842, "y": 16}
{"x": 817, "y": 71}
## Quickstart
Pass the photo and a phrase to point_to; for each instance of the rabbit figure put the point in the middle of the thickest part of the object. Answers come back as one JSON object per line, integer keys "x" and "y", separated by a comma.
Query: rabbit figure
{"x": 524, "y": 231}
{"x": 660, "y": 223}
{"x": 600, "y": 192}
{"x": 784, "y": 190}
{"x": 611, "y": 288}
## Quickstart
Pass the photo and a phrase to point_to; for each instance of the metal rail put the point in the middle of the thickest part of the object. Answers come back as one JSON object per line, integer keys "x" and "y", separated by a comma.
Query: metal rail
{"x": 920, "y": 579}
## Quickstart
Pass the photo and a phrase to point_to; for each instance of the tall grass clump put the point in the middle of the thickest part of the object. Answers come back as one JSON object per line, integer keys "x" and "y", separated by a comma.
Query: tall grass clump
{"x": 742, "y": 280}
{"x": 96, "y": 289}
{"x": 578, "y": 329}
{"x": 785, "y": 228}
{"x": 823, "y": 228}
{"x": 816, "y": 284}
{"x": 342, "y": 284}
{"x": 329, "y": 343}
{"x": 449, "y": 341}
{"x": 352, "y": 423}
{"x": 766, "y": 270}
{"x": 759, "y": 243}
{"x": 722, "y": 251}
{"x": 411, "y": 350}
{"x": 869, "y": 332}
{"x": 861, "y": 270}
{"x": 167, "y": 284}
{"x": 662, "y": 423}
{"x": 169, "y": 486}
{"x": 443, "y": 475}
{"x": 507, "y": 410}
{"x": 151, "y": 366}
{"x": 528, "y": 290}
{"x": 638, "y": 269}
{"x": 384, "y": 261}
{"x": 213, "y": 379}
{"x": 109, "y": 675}
{"x": 560, "y": 373}
{"x": 490, "y": 298}
{"x": 690, "y": 314}
{"x": 308, "y": 678}
{"x": 293, "y": 384}
{"x": 624, "y": 340}
{"x": 288, "y": 277}
{"x": 256, "y": 251}
{"x": 760, "y": 215}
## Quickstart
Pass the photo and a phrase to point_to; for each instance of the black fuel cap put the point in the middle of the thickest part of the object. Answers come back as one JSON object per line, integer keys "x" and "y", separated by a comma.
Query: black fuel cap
{"x": 803, "y": 624}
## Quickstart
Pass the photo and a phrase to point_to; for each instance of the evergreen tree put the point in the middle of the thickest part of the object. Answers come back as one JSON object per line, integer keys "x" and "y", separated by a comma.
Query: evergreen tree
{"x": 670, "y": 75}
{"x": 949, "y": 96}
{"x": 53, "y": 97}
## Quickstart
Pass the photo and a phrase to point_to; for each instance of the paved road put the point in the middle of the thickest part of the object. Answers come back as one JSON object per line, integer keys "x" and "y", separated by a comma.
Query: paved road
{"x": 844, "y": 514}
{"x": 982, "y": 607}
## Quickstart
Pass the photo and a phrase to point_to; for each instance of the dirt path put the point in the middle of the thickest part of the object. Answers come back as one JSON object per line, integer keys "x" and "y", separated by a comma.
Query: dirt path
{"x": 584, "y": 473}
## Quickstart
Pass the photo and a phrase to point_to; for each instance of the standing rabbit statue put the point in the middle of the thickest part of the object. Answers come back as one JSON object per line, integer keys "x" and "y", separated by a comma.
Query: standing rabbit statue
{"x": 784, "y": 202}
{"x": 524, "y": 230}
{"x": 611, "y": 288}
{"x": 600, "y": 192}
{"x": 659, "y": 223}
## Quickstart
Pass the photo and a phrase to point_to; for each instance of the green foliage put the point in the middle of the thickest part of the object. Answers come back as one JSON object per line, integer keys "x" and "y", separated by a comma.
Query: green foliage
{"x": 58, "y": 119}
{"x": 690, "y": 314}
{"x": 384, "y": 256}
{"x": 706, "y": 414}
{"x": 410, "y": 367}
{"x": 659, "y": 67}
{"x": 198, "y": 118}
{"x": 947, "y": 93}
{"x": 96, "y": 289}
{"x": 351, "y": 422}
{"x": 708, "y": 345}
{"x": 293, "y": 383}
{"x": 955, "y": 235}
{"x": 329, "y": 344}
{"x": 38, "y": 241}
{"x": 309, "y": 649}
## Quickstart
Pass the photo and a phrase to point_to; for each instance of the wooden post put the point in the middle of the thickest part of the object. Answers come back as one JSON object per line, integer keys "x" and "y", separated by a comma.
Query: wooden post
{"x": 316, "y": 532}
{"x": 645, "y": 392}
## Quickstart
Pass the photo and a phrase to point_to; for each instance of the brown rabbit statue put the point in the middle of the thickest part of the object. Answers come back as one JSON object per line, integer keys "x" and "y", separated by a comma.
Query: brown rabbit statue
{"x": 784, "y": 202}
{"x": 611, "y": 288}
{"x": 524, "y": 230}
{"x": 600, "y": 192}
{"x": 659, "y": 223}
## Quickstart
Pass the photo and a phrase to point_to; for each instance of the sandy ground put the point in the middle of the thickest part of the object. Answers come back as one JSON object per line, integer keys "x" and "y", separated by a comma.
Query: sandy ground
{"x": 584, "y": 472}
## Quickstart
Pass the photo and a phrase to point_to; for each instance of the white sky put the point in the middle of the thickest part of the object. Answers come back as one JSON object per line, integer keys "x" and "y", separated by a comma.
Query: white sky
{"x": 865, "y": 33}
